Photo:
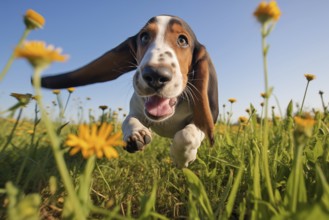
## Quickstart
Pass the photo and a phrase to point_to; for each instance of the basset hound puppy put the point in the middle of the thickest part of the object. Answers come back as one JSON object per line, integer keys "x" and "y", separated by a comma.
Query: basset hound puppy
{"x": 175, "y": 86}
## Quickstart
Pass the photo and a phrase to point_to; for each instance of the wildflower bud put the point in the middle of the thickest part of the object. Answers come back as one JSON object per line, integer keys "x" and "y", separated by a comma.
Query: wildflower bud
{"x": 71, "y": 89}
{"x": 33, "y": 20}
{"x": 309, "y": 76}
{"x": 232, "y": 100}
{"x": 242, "y": 119}
{"x": 103, "y": 107}
{"x": 267, "y": 12}
{"x": 56, "y": 91}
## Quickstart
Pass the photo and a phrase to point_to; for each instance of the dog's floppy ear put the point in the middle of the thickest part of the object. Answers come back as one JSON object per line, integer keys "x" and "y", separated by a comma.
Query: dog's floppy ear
{"x": 206, "y": 95}
{"x": 109, "y": 66}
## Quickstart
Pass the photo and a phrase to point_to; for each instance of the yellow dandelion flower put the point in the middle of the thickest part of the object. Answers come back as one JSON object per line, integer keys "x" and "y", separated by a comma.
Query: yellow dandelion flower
{"x": 56, "y": 91}
{"x": 232, "y": 100}
{"x": 267, "y": 12}
{"x": 33, "y": 19}
{"x": 304, "y": 124}
{"x": 71, "y": 89}
{"x": 309, "y": 76}
{"x": 93, "y": 141}
{"x": 38, "y": 53}
{"x": 103, "y": 107}
{"x": 243, "y": 119}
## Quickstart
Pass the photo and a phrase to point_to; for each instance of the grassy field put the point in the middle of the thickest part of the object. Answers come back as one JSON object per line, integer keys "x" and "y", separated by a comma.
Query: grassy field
{"x": 227, "y": 180}
{"x": 263, "y": 167}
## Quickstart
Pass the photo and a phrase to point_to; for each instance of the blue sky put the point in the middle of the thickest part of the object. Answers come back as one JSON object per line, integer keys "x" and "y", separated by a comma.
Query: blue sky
{"x": 85, "y": 30}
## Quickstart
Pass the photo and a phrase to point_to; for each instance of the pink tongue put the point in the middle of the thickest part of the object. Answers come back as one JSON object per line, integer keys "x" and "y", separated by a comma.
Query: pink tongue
{"x": 158, "y": 106}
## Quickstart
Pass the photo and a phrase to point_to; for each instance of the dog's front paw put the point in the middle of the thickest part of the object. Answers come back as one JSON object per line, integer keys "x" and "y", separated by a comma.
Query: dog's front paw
{"x": 137, "y": 141}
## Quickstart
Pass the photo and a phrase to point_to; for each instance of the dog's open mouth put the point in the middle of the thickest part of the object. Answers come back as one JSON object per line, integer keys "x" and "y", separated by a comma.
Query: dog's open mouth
{"x": 159, "y": 108}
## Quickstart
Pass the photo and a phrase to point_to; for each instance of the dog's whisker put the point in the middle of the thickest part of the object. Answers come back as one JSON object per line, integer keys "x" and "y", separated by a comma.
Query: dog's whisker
{"x": 193, "y": 89}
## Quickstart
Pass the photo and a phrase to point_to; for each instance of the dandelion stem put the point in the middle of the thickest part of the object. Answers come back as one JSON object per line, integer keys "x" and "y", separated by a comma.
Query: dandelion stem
{"x": 301, "y": 107}
{"x": 55, "y": 143}
{"x": 67, "y": 102}
{"x": 265, "y": 158}
{"x": 10, "y": 137}
{"x": 12, "y": 56}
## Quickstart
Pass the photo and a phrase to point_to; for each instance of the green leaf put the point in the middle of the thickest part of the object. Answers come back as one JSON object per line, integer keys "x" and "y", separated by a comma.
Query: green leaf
{"x": 225, "y": 193}
{"x": 296, "y": 194}
{"x": 290, "y": 109}
{"x": 234, "y": 191}
{"x": 318, "y": 149}
{"x": 316, "y": 211}
{"x": 197, "y": 193}
{"x": 325, "y": 186}
{"x": 148, "y": 204}
{"x": 22, "y": 207}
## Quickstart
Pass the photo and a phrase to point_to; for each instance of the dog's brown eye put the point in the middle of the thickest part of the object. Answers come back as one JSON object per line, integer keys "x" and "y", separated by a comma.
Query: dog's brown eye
{"x": 182, "y": 41}
{"x": 145, "y": 38}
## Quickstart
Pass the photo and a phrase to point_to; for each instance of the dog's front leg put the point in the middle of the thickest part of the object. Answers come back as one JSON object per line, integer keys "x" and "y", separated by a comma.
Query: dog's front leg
{"x": 185, "y": 145}
{"x": 135, "y": 134}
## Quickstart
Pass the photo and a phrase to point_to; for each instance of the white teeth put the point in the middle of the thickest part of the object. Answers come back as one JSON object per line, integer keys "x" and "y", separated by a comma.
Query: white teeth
{"x": 172, "y": 102}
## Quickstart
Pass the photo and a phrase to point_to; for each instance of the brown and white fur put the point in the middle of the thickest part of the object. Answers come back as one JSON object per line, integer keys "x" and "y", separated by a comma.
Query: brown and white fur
{"x": 175, "y": 86}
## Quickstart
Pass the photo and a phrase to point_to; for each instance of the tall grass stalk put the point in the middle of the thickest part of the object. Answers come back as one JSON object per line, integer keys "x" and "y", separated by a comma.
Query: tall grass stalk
{"x": 265, "y": 31}
{"x": 55, "y": 143}
{"x": 12, "y": 56}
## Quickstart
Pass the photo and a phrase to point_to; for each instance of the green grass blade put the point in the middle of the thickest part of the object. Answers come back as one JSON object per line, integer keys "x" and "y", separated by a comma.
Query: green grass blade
{"x": 198, "y": 192}
{"x": 234, "y": 191}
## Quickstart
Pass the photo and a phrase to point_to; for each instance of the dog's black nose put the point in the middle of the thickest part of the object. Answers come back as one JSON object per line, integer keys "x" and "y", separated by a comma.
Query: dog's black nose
{"x": 156, "y": 77}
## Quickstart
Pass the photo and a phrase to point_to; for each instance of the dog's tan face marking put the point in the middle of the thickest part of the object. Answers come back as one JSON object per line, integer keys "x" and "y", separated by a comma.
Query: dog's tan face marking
{"x": 164, "y": 55}
{"x": 182, "y": 43}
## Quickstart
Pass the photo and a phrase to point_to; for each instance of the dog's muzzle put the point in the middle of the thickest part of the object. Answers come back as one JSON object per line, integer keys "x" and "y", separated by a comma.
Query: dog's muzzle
{"x": 156, "y": 106}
